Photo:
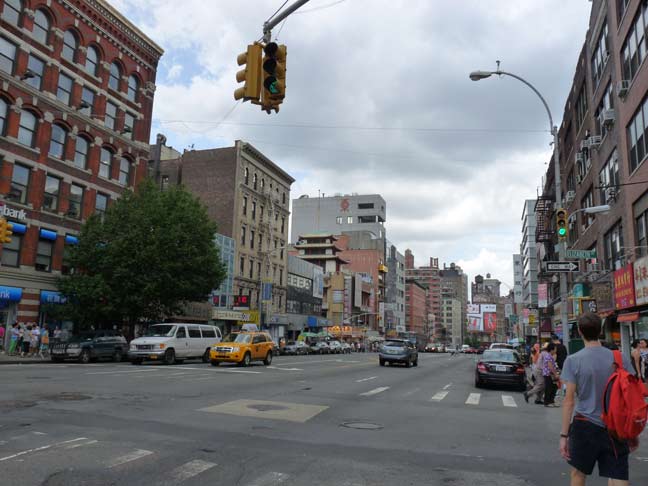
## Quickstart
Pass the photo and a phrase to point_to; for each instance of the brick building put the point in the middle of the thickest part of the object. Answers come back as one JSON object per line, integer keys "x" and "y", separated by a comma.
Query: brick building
{"x": 77, "y": 81}
{"x": 430, "y": 276}
{"x": 416, "y": 307}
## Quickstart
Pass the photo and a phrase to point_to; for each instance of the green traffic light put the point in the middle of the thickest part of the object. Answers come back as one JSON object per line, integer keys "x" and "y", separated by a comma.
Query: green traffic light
{"x": 562, "y": 232}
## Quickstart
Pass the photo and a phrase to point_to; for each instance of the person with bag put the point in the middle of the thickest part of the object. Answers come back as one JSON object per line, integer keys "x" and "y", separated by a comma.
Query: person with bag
{"x": 549, "y": 374}
{"x": 585, "y": 439}
{"x": 538, "y": 387}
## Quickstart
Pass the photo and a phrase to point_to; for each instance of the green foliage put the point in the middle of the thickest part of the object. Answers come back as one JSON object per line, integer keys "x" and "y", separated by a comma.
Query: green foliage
{"x": 153, "y": 252}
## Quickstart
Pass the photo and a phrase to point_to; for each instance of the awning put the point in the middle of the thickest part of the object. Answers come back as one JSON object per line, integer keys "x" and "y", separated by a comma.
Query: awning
{"x": 629, "y": 317}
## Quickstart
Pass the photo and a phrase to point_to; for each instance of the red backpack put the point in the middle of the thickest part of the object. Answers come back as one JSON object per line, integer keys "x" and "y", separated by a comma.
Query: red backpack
{"x": 624, "y": 409}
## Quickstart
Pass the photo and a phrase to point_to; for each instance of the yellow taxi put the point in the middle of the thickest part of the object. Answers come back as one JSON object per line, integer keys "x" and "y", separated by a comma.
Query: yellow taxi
{"x": 243, "y": 348}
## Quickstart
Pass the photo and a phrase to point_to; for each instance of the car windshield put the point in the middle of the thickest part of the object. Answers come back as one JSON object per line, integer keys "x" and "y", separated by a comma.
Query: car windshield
{"x": 398, "y": 344}
{"x": 291, "y": 343}
{"x": 161, "y": 330}
{"x": 86, "y": 336}
{"x": 242, "y": 338}
{"x": 499, "y": 356}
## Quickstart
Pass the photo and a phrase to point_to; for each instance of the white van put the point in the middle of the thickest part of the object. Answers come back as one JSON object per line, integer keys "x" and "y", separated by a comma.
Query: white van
{"x": 174, "y": 342}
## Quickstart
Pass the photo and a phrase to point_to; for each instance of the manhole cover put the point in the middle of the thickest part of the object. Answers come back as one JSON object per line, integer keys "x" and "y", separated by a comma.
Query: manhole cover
{"x": 362, "y": 425}
{"x": 264, "y": 407}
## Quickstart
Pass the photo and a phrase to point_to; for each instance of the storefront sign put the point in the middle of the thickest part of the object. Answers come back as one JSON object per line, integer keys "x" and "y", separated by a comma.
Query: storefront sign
{"x": 12, "y": 294}
{"x": 490, "y": 322}
{"x": 50, "y": 297}
{"x": 542, "y": 295}
{"x": 318, "y": 282}
{"x": 641, "y": 280}
{"x": 473, "y": 309}
{"x": 250, "y": 317}
{"x": 12, "y": 213}
{"x": 227, "y": 315}
{"x": 624, "y": 294}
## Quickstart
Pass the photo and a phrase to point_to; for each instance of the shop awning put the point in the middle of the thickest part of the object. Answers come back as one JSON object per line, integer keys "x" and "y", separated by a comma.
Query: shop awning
{"x": 629, "y": 317}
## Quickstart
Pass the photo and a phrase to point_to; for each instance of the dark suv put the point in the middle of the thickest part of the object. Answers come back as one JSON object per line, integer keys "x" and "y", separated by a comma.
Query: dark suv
{"x": 398, "y": 351}
{"x": 91, "y": 345}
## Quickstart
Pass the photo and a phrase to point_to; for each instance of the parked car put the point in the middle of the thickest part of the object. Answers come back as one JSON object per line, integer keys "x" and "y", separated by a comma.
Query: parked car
{"x": 174, "y": 342}
{"x": 346, "y": 348}
{"x": 243, "y": 348}
{"x": 500, "y": 367}
{"x": 320, "y": 347}
{"x": 296, "y": 347}
{"x": 335, "y": 347}
{"x": 89, "y": 346}
{"x": 398, "y": 351}
{"x": 464, "y": 348}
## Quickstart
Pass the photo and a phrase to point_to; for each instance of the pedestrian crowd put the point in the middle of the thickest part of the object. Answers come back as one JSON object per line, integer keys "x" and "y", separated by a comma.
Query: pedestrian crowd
{"x": 546, "y": 363}
{"x": 28, "y": 340}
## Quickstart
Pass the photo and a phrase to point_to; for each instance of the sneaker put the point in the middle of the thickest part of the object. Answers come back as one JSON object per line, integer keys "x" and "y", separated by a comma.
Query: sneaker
{"x": 526, "y": 397}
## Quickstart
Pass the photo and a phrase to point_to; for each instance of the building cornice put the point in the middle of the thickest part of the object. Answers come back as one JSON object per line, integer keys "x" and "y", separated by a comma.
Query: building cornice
{"x": 257, "y": 155}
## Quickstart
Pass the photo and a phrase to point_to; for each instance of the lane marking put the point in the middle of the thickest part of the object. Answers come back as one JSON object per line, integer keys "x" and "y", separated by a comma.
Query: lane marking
{"x": 439, "y": 396}
{"x": 241, "y": 371}
{"x": 190, "y": 469}
{"x": 118, "y": 372}
{"x": 42, "y": 448}
{"x": 367, "y": 379}
{"x": 39, "y": 433}
{"x": 74, "y": 446}
{"x": 284, "y": 369}
{"x": 181, "y": 374}
{"x": 447, "y": 386}
{"x": 270, "y": 479}
{"x": 133, "y": 456}
{"x": 508, "y": 401}
{"x": 473, "y": 399}
{"x": 374, "y": 391}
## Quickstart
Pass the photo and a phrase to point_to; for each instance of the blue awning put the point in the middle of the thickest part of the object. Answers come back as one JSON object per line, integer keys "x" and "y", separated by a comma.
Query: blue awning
{"x": 51, "y": 297}
{"x": 12, "y": 294}
{"x": 48, "y": 235}
{"x": 18, "y": 229}
{"x": 71, "y": 240}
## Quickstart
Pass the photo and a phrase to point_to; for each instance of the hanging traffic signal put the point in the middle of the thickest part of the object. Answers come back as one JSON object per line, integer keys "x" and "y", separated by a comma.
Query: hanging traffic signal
{"x": 250, "y": 75}
{"x": 562, "y": 226}
{"x": 274, "y": 76}
{"x": 5, "y": 231}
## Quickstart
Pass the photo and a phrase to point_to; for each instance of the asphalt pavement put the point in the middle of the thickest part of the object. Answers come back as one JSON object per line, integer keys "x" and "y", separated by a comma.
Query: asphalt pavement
{"x": 305, "y": 420}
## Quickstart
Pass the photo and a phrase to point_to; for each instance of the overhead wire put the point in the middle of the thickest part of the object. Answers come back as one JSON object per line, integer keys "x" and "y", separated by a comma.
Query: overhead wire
{"x": 277, "y": 11}
{"x": 321, "y": 7}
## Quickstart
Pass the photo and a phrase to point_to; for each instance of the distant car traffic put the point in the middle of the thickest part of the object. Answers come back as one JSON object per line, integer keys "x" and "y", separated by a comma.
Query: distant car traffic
{"x": 346, "y": 348}
{"x": 398, "y": 351}
{"x": 320, "y": 347}
{"x": 243, "y": 348}
{"x": 500, "y": 367}
{"x": 335, "y": 347}
{"x": 296, "y": 347}
{"x": 90, "y": 346}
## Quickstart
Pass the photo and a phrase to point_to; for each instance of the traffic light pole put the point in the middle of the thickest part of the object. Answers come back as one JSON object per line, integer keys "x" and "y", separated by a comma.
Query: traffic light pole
{"x": 271, "y": 24}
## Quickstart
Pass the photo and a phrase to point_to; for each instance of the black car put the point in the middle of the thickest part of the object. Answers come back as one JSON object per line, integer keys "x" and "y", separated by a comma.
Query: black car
{"x": 398, "y": 351}
{"x": 500, "y": 367}
{"x": 88, "y": 346}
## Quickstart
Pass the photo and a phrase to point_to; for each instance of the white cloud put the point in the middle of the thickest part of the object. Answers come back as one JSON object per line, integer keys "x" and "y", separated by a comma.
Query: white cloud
{"x": 174, "y": 72}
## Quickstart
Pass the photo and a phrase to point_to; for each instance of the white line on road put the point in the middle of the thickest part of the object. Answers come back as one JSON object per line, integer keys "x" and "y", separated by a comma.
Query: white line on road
{"x": 118, "y": 372}
{"x": 447, "y": 386}
{"x": 346, "y": 361}
{"x": 240, "y": 371}
{"x": 269, "y": 479}
{"x": 366, "y": 379}
{"x": 508, "y": 401}
{"x": 190, "y": 469}
{"x": 439, "y": 396}
{"x": 473, "y": 399}
{"x": 74, "y": 446}
{"x": 42, "y": 448}
{"x": 374, "y": 391}
{"x": 38, "y": 433}
{"x": 285, "y": 369}
{"x": 133, "y": 456}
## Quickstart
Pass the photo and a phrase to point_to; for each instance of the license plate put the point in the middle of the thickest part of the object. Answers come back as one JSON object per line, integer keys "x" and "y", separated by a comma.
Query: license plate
{"x": 153, "y": 356}
{"x": 500, "y": 368}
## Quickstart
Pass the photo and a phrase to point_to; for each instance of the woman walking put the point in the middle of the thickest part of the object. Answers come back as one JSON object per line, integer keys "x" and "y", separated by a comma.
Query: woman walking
{"x": 550, "y": 375}
{"x": 536, "y": 372}
{"x": 640, "y": 357}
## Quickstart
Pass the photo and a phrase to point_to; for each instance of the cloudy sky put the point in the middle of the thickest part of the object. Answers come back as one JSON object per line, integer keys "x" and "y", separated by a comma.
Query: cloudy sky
{"x": 379, "y": 101}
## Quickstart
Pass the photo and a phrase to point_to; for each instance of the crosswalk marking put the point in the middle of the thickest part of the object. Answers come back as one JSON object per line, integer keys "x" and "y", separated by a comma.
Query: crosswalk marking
{"x": 81, "y": 444}
{"x": 473, "y": 399}
{"x": 439, "y": 396}
{"x": 447, "y": 386}
{"x": 133, "y": 456}
{"x": 42, "y": 448}
{"x": 269, "y": 479}
{"x": 190, "y": 469}
{"x": 366, "y": 379}
{"x": 508, "y": 401}
{"x": 374, "y": 391}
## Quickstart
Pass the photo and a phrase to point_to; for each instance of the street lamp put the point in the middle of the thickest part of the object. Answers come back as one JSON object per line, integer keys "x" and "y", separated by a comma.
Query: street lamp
{"x": 594, "y": 209}
{"x": 478, "y": 76}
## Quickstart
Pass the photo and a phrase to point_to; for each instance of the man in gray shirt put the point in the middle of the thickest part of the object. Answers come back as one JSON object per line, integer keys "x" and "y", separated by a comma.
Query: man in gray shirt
{"x": 584, "y": 440}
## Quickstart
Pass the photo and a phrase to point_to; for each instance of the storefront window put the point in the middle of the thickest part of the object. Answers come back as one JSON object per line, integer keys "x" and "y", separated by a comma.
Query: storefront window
{"x": 641, "y": 329}
{"x": 11, "y": 251}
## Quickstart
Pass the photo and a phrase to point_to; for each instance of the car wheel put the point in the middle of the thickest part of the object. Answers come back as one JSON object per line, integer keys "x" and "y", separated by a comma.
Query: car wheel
{"x": 382, "y": 362}
{"x": 268, "y": 359}
{"x": 246, "y": 359}
{"x": 416, "y": 362}
{"x": 205, "y": 356}
{"x": 408, "y": 363}
{"x": 137, "y": 361}
{"x": 478, "y": 382}
{"x": 85, "y": 357}
{"x": 117, "y": 356}
{"x": 169, "y": 357}
{"x": 215, "y": 363}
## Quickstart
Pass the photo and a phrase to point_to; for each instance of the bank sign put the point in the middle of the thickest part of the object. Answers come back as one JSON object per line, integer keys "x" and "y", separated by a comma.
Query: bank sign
{"x": 11, "y": 213}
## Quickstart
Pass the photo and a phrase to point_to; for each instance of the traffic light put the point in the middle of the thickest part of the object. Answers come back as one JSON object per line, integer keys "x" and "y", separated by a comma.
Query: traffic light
{"x": 274, "y": 76}
{"x": 5, "y": 231}
{"x": 251, "y": 75}
{"x": 562, "y": 226}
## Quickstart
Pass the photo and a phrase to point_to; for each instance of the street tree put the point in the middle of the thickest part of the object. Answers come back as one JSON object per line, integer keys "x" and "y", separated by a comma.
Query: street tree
{"x": 152, "y": 252}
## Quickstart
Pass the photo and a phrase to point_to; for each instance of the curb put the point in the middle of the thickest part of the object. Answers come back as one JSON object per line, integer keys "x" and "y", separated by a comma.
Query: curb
{"x": 7, "y": 362}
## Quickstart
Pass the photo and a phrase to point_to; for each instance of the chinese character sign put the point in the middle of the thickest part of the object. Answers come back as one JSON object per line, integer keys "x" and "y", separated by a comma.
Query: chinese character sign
{"x": 641, "y": 280}
{"x": 490, "y": 322}
{"x": 624, "y": 291}
{"x": 542, "y": 295}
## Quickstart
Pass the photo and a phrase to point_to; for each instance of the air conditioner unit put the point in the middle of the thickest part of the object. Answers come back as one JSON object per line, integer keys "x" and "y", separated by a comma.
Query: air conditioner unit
{"x": 610, "y": 195}
{"x": 607, "y": 117}
{"x": 570, "y": 196}
{"x": 623, "y": 87}
{"x": 584, "y": 145}
{"x": 579, "y": 179}
{"x": 580, "y": 158}
{"x": 594, "y": 141}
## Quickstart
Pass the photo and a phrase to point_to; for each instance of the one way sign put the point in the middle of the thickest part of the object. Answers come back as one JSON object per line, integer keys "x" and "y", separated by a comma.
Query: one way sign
{"x": 562, "y": 267}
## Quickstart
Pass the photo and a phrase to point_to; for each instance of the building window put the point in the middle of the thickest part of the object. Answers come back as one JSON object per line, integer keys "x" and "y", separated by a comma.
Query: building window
{"x": 283, "y": 224}
{"x": 87, "y": 101}
{"x": 637, "y": 136}
{"x": 124, "y": 171}
{"x": 3, "y": 116}
{"x": 613, "y": 247}
{"x": 115, "y": 75}
{"x": 7, "y": 55}
{"x": 44, "y": 256}
{"x": 607, "y": 103}
{"x": 581, "y": 107}
{"x": 365, "y": 205}
{"x": 633, "y": 51}
{"x": 252, "y": 235}
{"x": 621, "y": 6}
{"x": 11, "y": 11}
{"x": 254, "y": 205}
{"x": 251, "y": 269}
{"x": 164, "y": 184}
{"x": 600, "y": 57}
{"x": 11, "y": 251}
{"x": 247, "y": 176}
{"x": 75, "y": 201}
{"x": 642, "y": 240}
{"x": 609, "y": 177}
{"x": 133, "y": 85}
{"x": 70, "y": 45}
{"x": 283, "y": 198}
{"x": 105, "y": 161}
{"x": 64, "y": 90}
{"x": 57, "y": 142}
{"x": 259, "y": 269}
{"x": 242, "y": 267}
{"x": 261, "y": 208}
{"x": 36, "y": 67}
{"x": 111, "y": 115}
{"x": 245, "y": 203}
{"x": 52, "y": 191}
{"x": 101, "y": 205}
{"x": 92, "y": 60}
{"x": 587, "y": 202}
{"x": 129, "y": 125}
{"x": 254, "y": 182}
{"x": 19, "y": 183}
{"x": 41, "y": 27}
{"x": 280, "y": 278}
{"x": 81, "y": 153}
{"x": 349, "y": 219}
{"x": 338, "y": 220}
{"x": 243, "y": 234}
{"x": 27, "y": 128}
{"x": 260, "y": 242}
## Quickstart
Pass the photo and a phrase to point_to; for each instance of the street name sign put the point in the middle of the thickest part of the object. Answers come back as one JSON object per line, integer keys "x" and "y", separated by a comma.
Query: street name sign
{"x": 582, "y": 254}
{"x": 562, "y": 266}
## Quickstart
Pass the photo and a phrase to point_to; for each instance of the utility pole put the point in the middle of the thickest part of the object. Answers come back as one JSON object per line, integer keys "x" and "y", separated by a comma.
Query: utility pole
{"x": 276, "y": 20}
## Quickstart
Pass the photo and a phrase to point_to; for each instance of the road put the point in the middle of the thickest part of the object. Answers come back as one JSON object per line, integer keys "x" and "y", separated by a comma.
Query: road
{"x": 313, "y": 420}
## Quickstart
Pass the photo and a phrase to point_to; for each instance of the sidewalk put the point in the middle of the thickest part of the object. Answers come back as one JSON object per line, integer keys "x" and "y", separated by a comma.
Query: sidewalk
{"x": 6, "y": 359}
